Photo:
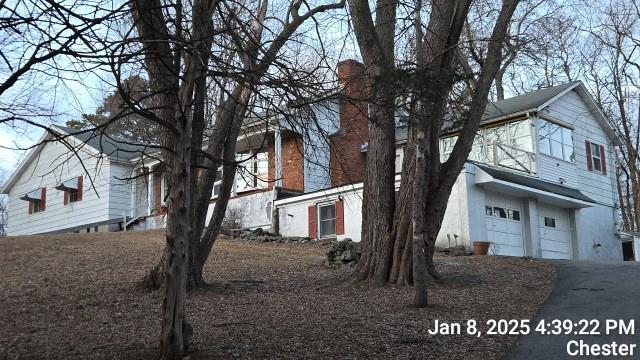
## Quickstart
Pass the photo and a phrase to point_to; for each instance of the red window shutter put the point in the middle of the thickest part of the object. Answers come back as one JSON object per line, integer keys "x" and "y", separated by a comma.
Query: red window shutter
{"x": 587, "y": 145}
{"x": 313, "y": 222}
{"x": 339, "y": 217}
{"x": 43, "y": 200}
{"x": 30, "y": 207}
{"x": 80, "y": 188}
{"x": 66, "y": 197}
{"x": 603, "y": 160}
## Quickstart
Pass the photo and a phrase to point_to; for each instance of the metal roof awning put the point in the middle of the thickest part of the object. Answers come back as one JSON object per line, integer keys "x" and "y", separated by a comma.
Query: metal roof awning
{"x": 68, "y": 185}
{"x": 521, "y": 185}
{"x": 35, "y": 195}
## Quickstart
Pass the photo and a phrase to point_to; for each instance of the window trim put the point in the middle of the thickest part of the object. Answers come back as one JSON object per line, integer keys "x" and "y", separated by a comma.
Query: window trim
{"x": 552, "y": 222}
{"x": 73, "y": 195}
{"x": 600, "y": 156}
{"x": 248, "y": 171}
{"x": 320, "y": 220}
{"x": 549, "y": 140}
{"x": 37, "y": 206}
{"x": 485, "y": 147}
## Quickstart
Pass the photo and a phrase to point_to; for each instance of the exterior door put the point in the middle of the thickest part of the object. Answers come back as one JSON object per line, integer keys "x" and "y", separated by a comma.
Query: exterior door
{"x": 555, "y": 232}
{"x": 503, "y": 215}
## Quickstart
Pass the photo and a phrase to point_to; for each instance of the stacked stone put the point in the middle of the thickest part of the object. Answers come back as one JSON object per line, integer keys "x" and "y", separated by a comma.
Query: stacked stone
{"x": 260, "y": 235}
{"x": 344, "y": 252}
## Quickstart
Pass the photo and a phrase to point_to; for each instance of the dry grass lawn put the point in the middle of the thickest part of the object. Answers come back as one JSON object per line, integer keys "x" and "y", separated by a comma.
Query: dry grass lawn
{"x": 75, "y": 296}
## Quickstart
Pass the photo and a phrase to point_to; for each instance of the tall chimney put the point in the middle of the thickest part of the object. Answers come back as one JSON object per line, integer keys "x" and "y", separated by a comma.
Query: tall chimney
{"x": 347, "y": 159}
{"x": 351, "y": 77}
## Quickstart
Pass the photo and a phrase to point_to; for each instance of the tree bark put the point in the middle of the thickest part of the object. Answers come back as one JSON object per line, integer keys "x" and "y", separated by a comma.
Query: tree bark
{"x": 176, "y": 331}
{"x": 419, "y": 222}
{"x": 376, "y": 42}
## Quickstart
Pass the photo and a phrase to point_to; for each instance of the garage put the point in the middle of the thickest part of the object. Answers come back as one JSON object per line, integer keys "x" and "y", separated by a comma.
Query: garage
{"x": 555, "y": 232}
{"x": 503, "y": 215}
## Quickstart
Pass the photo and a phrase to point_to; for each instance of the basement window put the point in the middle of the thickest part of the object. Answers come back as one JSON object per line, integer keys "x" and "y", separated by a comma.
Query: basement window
{"x": 549, "y": 222}
{"x": 327, "y": 220}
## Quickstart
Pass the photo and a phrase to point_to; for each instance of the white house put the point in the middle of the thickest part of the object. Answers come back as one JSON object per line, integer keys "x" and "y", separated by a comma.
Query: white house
{"x": 81, "y": 182}
{"x": 539, "y": 181}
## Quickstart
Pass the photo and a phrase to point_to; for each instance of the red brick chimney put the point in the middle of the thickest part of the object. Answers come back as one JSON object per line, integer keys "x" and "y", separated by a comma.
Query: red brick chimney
{"x": 347, "y": 159}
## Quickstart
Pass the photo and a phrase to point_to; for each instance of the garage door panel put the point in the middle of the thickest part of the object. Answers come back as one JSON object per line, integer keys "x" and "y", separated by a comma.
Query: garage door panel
{"x": 514, "y": 228}
{"x": 500, "y": 238}
{"x": 504, "y": 224}
{"x": 557, "y": 246}
{"x": 555, "y": 255}
{"x": 555, "y": 234}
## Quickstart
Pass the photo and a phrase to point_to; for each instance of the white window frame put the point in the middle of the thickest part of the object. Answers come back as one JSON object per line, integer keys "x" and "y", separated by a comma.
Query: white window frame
{"x": 217, "y": 183}
{"x": 250, "y": 168}
{"x": 320, "y": 220}
{"x": 482, "y": 148}
{"x": 552, "y": 222}
{"x": 164, "y": 188}
{"x": 597, "y": 155}
{"x": 563, "y": 144}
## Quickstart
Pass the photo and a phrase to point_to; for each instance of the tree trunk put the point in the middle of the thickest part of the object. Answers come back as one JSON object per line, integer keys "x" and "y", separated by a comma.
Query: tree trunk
{"x": 378, "y": 203}
{"x": 376, "y": 43}
{"x": 419, "y": 222}
{"x": 213, "y": 229}
{"x": 176, "y": 331}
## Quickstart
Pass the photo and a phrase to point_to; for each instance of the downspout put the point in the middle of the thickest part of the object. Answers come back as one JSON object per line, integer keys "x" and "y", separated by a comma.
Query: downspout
{"x": 275, "y": 218}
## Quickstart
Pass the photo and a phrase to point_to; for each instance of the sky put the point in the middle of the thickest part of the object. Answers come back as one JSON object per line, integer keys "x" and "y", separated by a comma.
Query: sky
{"x": 67, "y": 104}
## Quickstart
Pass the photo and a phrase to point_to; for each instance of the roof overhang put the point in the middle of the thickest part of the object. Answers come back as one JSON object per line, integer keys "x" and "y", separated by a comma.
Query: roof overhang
{"x": 489, "y": 182}
{"x": 68, "y": 185}
{"x": 34, "y": 195}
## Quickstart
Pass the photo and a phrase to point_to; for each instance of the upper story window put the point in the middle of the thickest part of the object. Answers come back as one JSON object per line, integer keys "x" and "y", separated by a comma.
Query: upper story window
{"x": 509, "y": 144}
{"x": 252, "y": 170}
{"x": 72, "y": 189}
{"x": 37, "y": 200}
{"x": 596, "y": 161}
{"x": 555, "y": 140}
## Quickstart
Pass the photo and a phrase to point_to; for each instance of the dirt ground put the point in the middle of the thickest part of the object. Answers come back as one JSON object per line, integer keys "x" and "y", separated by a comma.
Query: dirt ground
{"x": 75, "y": 296}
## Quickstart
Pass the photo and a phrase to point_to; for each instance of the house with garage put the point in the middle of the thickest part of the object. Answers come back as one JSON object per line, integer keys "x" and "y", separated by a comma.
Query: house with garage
{"x": 539, "y": 180}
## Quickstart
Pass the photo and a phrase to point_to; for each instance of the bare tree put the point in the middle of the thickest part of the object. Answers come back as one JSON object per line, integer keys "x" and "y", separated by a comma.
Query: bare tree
{"x": 400, "y": 249}
{"x": 376, "y": 40}
{"x": 613, "y": 73}
{"x": 178, "y": 87}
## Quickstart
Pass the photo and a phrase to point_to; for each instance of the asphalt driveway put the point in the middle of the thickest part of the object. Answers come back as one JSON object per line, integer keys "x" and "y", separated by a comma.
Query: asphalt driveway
{"x": 587, "y": 291}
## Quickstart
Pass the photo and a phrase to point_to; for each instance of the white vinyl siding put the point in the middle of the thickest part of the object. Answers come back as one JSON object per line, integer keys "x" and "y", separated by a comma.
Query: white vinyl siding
{"x": 572, "y": 110}
{"x": 120, "y": 189}
{"x": 53, "y": 164}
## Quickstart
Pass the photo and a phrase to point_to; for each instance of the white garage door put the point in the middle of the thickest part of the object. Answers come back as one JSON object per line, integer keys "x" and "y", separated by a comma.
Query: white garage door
{"x": 555, "y": 234}
{"x": 503, "y": 215}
